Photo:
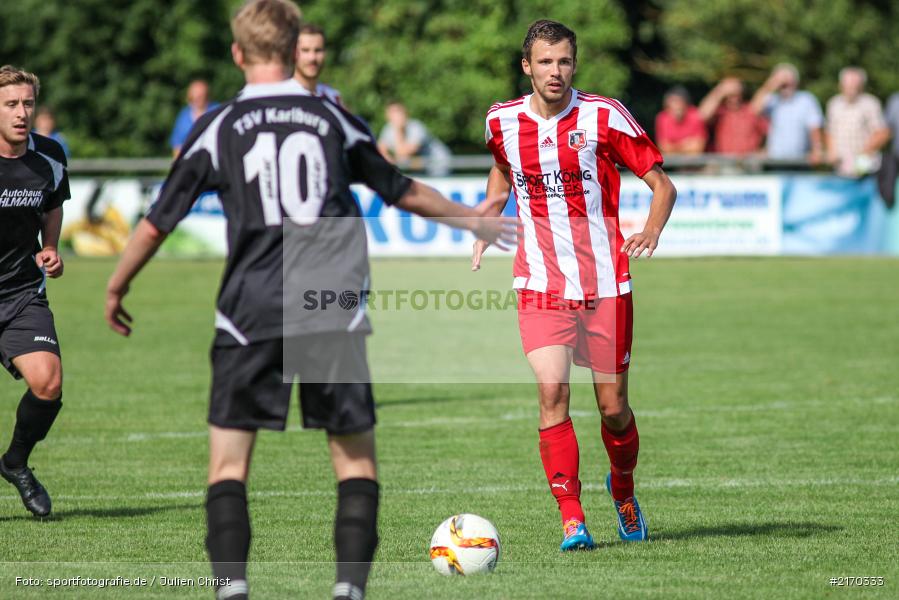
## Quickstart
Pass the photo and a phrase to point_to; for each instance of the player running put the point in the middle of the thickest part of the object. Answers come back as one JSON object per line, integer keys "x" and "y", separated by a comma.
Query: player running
{"x": 33, "y": 186}
{"x": 310, "y": 62}
{"x": 282, "y": 161}
{"x": 557, "y": 149}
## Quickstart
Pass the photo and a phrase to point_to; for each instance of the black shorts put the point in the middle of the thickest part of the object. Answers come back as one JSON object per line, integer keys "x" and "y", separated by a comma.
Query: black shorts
{"x": 26, "y": 325}
{"x": 249, "y": 389}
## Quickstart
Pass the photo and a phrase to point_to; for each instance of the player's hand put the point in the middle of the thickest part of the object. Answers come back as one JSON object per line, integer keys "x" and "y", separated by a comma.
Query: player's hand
{"x": 477, "y": 251}
{"x": 502, "y": 232}
{"x": 116, "y": 315}
{"x": 646, "y": 241}
{"x": 48, "y": 260}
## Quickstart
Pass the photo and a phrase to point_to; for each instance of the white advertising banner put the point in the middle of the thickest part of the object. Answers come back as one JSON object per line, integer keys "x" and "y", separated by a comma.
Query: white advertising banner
{"x": 713, "y": 216}
{"x": 739, "y": 215}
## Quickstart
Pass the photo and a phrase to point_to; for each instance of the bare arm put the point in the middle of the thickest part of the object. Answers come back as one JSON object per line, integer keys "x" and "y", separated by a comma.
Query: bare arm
{"x": 402, "y": 148}
{"x": 427, "y": 202}
{"x": 816, "y": 136}
{"x": 385, "y": 152}
{"x": 499, "y": 185}
{"x": 877, "y": 140}
{"x": 48, "y": 257}
{"x": 140, "y": 249}
{"x": 663, "y": 197}
{"x": 51, "y": 227}
{"x": 692, "y": 145}
{"x": 760, "y": 98}
{"x": 712, "y": 101}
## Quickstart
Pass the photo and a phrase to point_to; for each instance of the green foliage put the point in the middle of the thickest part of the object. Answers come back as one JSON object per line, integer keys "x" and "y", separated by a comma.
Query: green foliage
{"x": 707, "y": 40}
{"x": 115, "y": 70}
{"x": 449, "y": 60}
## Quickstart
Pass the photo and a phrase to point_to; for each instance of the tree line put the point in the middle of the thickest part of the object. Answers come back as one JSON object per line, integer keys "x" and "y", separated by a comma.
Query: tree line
{"x": 115, "y": 71}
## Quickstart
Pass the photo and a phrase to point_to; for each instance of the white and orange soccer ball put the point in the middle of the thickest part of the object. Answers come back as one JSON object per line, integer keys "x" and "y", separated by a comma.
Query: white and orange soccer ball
{"x": 465, "y": 545}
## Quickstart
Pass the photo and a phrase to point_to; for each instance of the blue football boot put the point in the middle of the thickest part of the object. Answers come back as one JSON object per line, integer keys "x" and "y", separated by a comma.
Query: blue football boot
{"x": 631, "y": 525}
{"x": 576, "y": 537}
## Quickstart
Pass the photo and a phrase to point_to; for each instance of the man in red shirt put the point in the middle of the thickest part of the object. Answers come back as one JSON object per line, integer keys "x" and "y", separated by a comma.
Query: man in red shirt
{"x": 738, "y": 129}
{"x": 679, "y": 127}
{"x": 557, "y": 149}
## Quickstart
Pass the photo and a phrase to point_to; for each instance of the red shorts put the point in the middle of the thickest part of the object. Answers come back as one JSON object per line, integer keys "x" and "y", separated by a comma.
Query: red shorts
{"x": 600, "y": 330}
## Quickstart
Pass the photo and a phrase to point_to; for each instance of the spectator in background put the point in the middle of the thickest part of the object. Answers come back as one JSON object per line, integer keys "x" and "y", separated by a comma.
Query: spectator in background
{"x": 856, "y": 129}
{"x": 45, "y": 125}
{"x": 736, "y": 128}
{"x": 403, "y": 138}
{"x": 679, "y": 127}
{"x": 889, "y": 171}
{"x": 794, "y": 115}
{"x": 197, "y": 104}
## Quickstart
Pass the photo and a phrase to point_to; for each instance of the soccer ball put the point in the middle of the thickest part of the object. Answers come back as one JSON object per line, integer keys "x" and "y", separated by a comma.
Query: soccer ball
{"x": 465, "y": 545}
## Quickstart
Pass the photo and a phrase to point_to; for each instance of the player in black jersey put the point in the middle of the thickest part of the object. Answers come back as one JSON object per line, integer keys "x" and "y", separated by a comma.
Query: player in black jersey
{"x": 33, "y": 186}
{"x": 282, "y": 161}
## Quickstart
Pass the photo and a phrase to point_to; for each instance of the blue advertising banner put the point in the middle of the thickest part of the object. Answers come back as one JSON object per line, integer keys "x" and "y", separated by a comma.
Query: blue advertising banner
{"x": 833, "y": 215}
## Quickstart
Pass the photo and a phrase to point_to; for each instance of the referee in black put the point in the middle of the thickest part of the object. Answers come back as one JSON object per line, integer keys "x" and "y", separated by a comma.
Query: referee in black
{"x": 33, "y": 186}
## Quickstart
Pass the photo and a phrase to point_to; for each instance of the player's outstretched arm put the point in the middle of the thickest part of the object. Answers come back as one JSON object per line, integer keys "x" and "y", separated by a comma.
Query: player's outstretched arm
{"x": 427, "y": 202}
{"x": 663, "y": 196}
{"x": 48, "y": 257}
{"x": 141, "y": 247}
{"x": 499, "y": 183}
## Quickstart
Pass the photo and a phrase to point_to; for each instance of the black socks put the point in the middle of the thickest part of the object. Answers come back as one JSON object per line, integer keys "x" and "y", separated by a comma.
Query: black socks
{"x": 34, "y": 418}
{"x": 228, "y": 538}
{"x": 355, "y": 535}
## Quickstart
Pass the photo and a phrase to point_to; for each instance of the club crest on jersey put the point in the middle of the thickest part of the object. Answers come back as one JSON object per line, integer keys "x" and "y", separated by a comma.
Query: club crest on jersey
{"x": 577, "y": 140}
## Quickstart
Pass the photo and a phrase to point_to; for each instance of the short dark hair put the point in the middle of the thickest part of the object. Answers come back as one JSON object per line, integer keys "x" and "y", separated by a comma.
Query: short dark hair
{"x": 551, "y": 32}
{"x": 679, "y": 91}
{"x": 313, "y": 29}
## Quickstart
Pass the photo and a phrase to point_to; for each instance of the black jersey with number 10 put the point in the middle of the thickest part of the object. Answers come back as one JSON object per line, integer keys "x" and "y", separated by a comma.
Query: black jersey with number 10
{"x": 282, "y": 162}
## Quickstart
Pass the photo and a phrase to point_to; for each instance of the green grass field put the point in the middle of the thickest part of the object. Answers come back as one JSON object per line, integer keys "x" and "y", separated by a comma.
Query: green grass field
{"x": 766, "y": 391}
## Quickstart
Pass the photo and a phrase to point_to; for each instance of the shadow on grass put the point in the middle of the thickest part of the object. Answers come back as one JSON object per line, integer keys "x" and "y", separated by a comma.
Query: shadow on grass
{"x": 439, "y": 399}
{"x": 792, "y": 530}
{"x": 103, "y": 513}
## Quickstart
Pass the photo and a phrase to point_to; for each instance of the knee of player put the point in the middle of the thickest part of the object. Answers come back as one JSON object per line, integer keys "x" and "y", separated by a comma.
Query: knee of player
{"x": 554, "y": 394}
{"x": 48, "y": 386}
{"x": 617, "y": 410}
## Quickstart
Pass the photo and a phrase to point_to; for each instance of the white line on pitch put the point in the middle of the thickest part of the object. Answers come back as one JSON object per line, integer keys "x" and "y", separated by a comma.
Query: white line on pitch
{"x": 506, "y": 489}
{"x": 532, "y": 415}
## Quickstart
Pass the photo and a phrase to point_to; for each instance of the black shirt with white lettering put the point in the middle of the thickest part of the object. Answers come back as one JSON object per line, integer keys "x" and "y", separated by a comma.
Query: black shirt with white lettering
{"x": 282, "y": 162}
{"x": 30, "y": 186}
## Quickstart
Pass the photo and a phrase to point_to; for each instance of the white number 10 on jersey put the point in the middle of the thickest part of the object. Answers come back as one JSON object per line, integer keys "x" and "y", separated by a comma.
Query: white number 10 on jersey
{"x": 278, "y": 171}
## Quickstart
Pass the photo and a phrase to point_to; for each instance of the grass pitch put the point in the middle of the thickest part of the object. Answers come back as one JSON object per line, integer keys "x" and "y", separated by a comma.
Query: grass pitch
{"x": 765, "y": 392}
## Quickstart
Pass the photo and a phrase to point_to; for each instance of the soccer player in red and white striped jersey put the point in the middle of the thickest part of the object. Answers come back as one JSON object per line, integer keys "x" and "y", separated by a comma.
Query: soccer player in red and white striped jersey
{"x": 557, "y": 150}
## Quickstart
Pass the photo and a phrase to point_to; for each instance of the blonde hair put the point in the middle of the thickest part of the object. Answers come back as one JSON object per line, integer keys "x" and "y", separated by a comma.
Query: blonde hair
{"x": 10, "y": 75}
{"x": 267, "y": 31}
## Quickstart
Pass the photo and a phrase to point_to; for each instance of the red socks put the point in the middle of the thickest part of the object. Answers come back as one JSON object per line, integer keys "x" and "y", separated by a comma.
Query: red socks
{"x": 622, "y": 447}
{"x": 559, "y": 453}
